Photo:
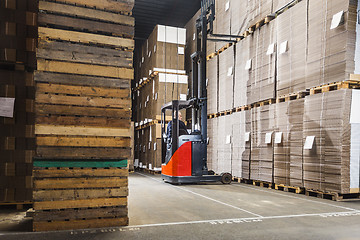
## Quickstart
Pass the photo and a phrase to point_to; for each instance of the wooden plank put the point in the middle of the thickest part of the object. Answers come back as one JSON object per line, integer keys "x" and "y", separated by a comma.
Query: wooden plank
{"x": 81, "y": 131}
{"x": 66, "y": 172}
{"x": 83, "y": 121}
{"x": 82, "y": 153}
{"x": 70, "y": 183}
{"x": 86, "y": 24}
{"x": 83, "y": 91}
{"x": 83, "y": 58}
{"x": 83, "y": 101}
{"x": 79, "y": 48}
{"x": 81, "y": 111}
{"x": 72, "y": 36}
{"x": 86, "y": 13}
{"x": 83, "y": 203}
{"x": 72, "y": 214}
{"x": 84, "y": 163}
{"x": 84, "y": 69}
{"x": 79, "y": 224}
{"x": 77, "y": 194}
{"x": 81, "y": 80}
{"x": 109, "y": 5}
{"x": 83, "y": 142}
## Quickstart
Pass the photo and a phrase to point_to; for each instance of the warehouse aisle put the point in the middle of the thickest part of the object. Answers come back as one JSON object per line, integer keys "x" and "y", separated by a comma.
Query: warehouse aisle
{"x": 215, "y": 211}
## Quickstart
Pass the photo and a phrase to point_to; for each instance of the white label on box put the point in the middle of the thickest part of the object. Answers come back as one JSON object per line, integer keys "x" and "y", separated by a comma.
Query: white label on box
{"x": 227, "y": 6}
{"x": 150, "y": 54}
{"x": 268, "y": 138}
{"x": 155, "y": 48}
{"x": 150, "y": 136}
{"x": 283, "y": 47}
{"x": 355, "y": 103}
{"x": 207, "y": 82}
{"x": 155, "y": 146}
{"x": 248, "y": 64}
{"x": 183, "y": 97}
{"x": 271, "y": 49}
{"x": 136, "y": 85}
{"x": 181, "y": 50}
{"x": 7, "y": 107}
{"x": 136, "y": 163}
{"x": 230, "y": 71}
{"x": 138, "y": 93}
{"x": 337, "y": 19}
{"x": 247, "y": 136}
{"x": 150, "y": 72}
{"x": 173, "y": 78}
{"x": 145, "y": 104}
{"x": 144, "y": 148}
{"x": 228, "y": 139}
{"x": 142, "y": 60}
{"x": 136, "y": 124}
{"x": 156, "y": 96}
{"x": 309, "y": 142}
{"x": 140, "y": 165}
{"x": 278, "y": 137}
{"x": 150, "y": 166}
{"x": 140, "y": 82}
{"x": 194, "y": 36}
{"x": 147, "y": 98}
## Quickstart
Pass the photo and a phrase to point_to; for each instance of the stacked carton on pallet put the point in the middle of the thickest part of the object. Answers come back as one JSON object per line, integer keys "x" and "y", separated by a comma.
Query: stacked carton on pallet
{"x": 160, "y": 78}
{"x": 83, "y": 110}
{"x": 18, "y": 33}
{"x": 306, "y": 48}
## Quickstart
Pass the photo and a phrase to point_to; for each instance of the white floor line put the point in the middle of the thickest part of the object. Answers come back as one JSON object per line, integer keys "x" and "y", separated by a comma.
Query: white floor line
{"x": 203, "y": 196}
{"x": 289, "y": 196}
{"x": 238, "y": 220}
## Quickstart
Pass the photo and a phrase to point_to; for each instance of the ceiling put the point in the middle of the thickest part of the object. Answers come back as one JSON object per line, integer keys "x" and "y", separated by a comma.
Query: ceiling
{"x": 149, "y": 13}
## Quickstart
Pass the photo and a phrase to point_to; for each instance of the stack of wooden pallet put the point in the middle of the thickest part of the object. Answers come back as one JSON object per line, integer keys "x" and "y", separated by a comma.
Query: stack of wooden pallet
{"x": 83, "y": 105}
{"x": 18, "y": 33}
{"x": 160, "y": 78}
{"x": 77, "y": 195}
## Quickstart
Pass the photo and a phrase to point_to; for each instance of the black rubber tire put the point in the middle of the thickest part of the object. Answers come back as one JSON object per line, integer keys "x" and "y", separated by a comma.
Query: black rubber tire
{"x": 211, "y": 172}
{"x": 226, "y": 178}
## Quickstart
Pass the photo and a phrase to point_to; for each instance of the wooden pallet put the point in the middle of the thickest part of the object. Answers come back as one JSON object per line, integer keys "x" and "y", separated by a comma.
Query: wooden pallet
{"x": 349, "y": 84}
{"x": 222, "y": 49}
{"x": 285, "y": 188}
{"x": 84, "y": 196}
{"x": 262, "y": 184}
{"x": 292, "y": 96}
{"x": 263, "y": 103}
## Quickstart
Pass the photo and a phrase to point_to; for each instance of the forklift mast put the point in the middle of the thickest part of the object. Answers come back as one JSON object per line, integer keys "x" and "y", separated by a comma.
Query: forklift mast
{"x": 184, "y": 155}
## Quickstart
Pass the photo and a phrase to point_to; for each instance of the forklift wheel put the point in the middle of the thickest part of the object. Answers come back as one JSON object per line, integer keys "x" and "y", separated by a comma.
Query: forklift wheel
{"x": 211, "y": 172}
{"x": 226, "y": 178}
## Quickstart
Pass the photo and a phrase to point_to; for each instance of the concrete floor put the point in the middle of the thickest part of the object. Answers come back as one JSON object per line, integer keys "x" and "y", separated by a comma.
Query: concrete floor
{"x": 215, "y": 211}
